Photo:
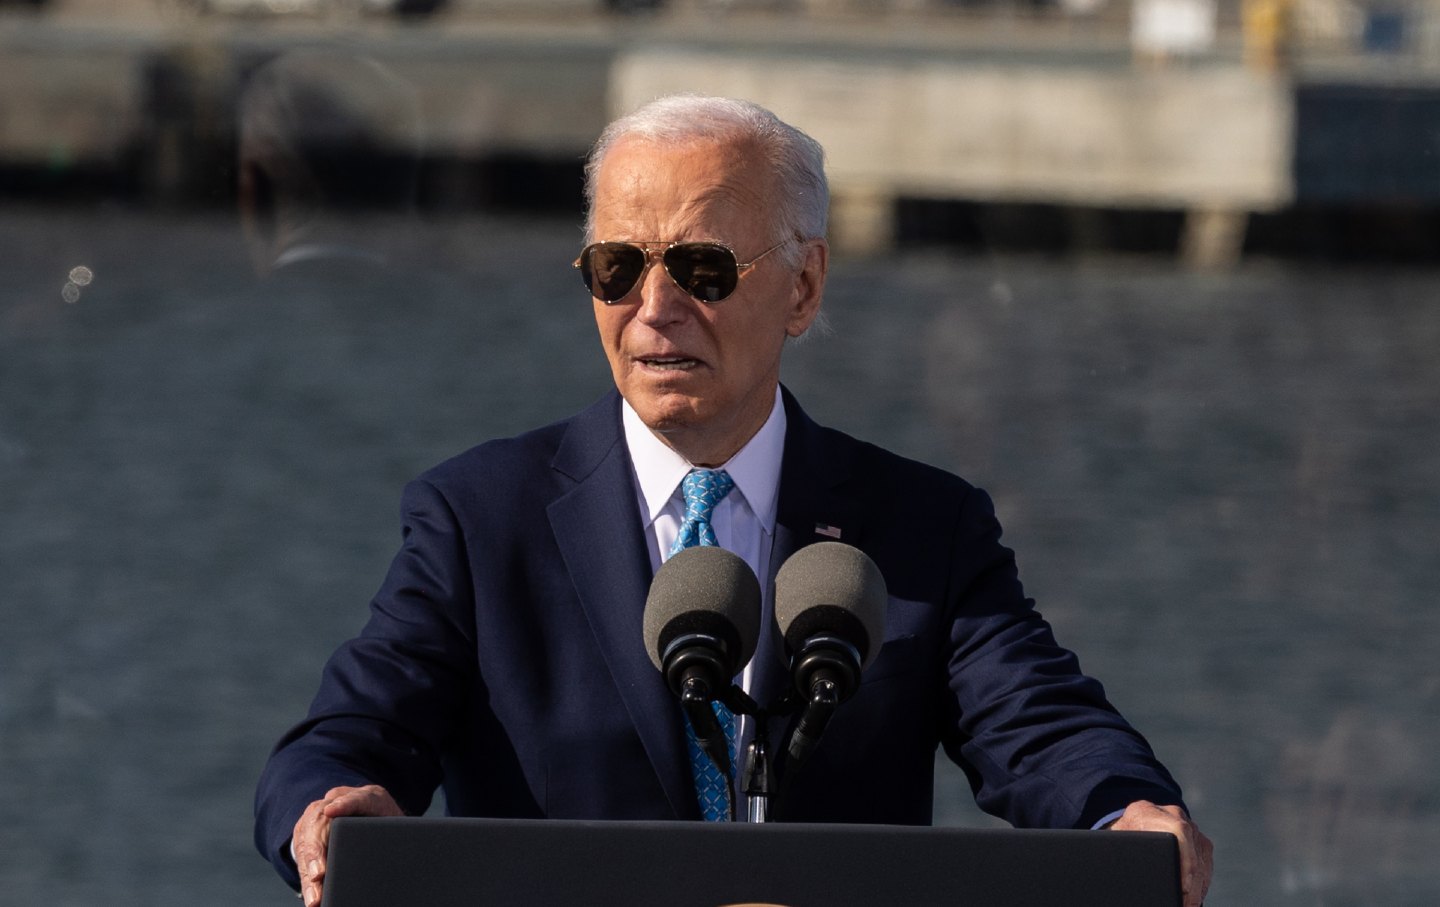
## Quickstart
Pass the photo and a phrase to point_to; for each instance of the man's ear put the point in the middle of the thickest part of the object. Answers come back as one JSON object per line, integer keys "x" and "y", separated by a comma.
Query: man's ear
{"x": 809, "y": 287}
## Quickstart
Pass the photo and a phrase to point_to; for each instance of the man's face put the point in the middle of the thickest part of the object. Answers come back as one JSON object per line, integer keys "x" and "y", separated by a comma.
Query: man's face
{"x": 701, "y": 376}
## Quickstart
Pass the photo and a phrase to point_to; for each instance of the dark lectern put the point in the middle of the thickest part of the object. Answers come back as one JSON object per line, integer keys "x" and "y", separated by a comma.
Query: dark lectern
{"x": 483, "y": 862}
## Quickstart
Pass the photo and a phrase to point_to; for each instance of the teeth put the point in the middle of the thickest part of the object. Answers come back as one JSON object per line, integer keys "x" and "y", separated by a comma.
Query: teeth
{"x": 676, "y": 363}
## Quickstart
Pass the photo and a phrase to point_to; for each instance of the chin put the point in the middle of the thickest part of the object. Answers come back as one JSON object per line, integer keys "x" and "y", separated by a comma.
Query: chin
{"x": 666, "y": 418}
{"x": 667, "y": 412}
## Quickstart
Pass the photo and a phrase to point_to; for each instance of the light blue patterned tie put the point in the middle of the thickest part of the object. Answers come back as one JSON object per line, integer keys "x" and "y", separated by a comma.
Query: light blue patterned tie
{"x": 703, "y": 489}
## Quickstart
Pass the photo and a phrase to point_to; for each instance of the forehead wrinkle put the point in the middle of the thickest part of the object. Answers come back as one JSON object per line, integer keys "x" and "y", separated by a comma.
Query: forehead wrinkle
{"x": 635, "y": 199}
{"x": 736, "y": 186}
{"x": 725, "y": 195}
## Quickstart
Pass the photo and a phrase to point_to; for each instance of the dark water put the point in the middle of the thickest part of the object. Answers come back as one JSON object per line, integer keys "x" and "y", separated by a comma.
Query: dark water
{"x": 1223, "y": 491}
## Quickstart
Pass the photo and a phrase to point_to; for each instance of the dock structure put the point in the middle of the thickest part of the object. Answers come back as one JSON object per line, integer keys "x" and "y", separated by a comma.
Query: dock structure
{"x": 981, "y": 114}
{"x": 1214, "y": 142}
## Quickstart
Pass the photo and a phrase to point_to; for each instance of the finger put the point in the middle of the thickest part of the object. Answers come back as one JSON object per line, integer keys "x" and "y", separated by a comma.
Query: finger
{"x": 1204, "y": 864}
{"x": 309, "y": 844}
{"x": 1189, "y": 871}
{"x": 312, "y": 887}
{"x": 1192, "y": 845}
{"x": 1172, "y": 820}
{"x": 311, "y": 837}
{"x": 371, "y": 800}
{"x": 312, "y": 878}
{"x": 1193, "y": 877}
{"x": 352, "y": 803}
{"x": 311, "y": 892}
{"x": 1194, "y": 861}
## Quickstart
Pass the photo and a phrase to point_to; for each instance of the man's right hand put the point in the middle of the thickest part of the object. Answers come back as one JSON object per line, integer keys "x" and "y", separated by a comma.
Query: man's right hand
{"x": 312, "y": 833}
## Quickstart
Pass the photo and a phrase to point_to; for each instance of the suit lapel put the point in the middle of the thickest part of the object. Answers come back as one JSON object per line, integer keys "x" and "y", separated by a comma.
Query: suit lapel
{"x": 814, "y": 505}
{"x": 597, "y": 530}
{"x": 815, "y": 500}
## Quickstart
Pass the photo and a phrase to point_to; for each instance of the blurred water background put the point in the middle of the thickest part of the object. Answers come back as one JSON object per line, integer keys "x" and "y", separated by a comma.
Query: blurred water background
{"x": 1223, "y": 493}
{"x": 1223, "y": 484}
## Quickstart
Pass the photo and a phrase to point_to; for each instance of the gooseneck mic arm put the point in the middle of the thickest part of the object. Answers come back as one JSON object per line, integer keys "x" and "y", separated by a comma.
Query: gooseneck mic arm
{"x": 826, "y": 672}
{"x": 830, "y": 603}
{"x": 701, "y": 625}
{"x": 808, "y": 730}
{"x": 696, "y": 701}
{"x": 696, "y": 666}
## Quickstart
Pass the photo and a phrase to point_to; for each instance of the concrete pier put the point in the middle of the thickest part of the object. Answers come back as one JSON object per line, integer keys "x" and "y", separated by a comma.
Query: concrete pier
{"x": 1209, "y": 139}
{"x": 918, "y": 106}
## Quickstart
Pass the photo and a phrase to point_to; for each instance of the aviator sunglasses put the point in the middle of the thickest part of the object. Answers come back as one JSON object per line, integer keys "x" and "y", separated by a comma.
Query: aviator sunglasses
{"x": 708, "y": 271}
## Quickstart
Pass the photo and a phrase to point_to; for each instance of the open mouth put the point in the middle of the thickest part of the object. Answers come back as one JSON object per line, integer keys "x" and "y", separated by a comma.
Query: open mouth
{"x": 670, "y": 363}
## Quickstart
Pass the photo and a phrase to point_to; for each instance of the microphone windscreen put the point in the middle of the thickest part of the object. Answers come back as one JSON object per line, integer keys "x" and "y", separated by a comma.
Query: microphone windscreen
{"x": 708, "y": 590}
{"x": 831, "y": 589}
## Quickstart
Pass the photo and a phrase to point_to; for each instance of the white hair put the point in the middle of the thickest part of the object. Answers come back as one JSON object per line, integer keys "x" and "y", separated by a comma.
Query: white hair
{"x": 802, "y": 205}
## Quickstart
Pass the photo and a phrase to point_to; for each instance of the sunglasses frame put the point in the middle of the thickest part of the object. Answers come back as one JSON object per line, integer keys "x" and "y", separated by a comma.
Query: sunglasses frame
{"x": 644, "y": 245}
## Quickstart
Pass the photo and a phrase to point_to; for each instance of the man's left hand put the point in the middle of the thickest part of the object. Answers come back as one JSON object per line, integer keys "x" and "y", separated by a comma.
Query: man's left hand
{"x": 1196, "y": 851}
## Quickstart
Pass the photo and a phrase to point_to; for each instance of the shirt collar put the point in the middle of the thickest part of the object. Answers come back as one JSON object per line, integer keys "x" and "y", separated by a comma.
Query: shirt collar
{"x": 755, "y": 467}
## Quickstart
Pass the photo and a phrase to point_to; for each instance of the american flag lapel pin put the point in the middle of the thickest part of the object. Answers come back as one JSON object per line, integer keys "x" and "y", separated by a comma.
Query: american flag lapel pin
{"x": 825, "y": 529}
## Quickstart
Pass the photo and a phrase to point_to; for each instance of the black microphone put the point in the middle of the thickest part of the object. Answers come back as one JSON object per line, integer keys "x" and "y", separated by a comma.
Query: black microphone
{"x": 702, "y": 622}
{"x": 830, "y": 607}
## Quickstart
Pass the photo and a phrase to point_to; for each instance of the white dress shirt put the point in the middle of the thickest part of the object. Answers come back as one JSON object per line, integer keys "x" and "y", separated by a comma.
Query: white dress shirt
{"x": 744, "y": 520}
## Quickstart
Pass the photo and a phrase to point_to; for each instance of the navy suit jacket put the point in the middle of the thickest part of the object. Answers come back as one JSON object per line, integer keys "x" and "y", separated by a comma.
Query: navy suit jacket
{"x": 504, "y": 659}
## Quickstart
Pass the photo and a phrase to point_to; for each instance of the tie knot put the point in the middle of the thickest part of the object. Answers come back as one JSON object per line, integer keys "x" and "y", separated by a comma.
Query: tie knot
{"x": 703, "y": 489}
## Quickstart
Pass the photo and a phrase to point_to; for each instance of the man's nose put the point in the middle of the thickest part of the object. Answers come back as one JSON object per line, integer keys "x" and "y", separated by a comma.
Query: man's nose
{"x": 661, "y": 299}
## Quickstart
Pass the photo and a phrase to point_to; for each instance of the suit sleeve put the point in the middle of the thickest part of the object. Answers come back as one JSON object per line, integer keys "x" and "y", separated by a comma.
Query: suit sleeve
{"x": 390, "y": 698}
{"x": 1041, "y": 744}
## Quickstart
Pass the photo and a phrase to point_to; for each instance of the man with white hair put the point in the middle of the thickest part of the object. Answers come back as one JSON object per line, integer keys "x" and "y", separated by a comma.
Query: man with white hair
{"x": 504, "y": 657}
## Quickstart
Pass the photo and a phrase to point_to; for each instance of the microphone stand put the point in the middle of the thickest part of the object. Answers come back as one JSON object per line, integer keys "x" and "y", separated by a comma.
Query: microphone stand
{"x": 755, "y": 770}
{"x": 758, "y": 772}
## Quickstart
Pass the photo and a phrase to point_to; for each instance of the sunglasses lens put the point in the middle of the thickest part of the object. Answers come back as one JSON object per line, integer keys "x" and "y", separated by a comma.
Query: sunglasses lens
{"x": 704, "y": 270}
{"x": 610, "y": 269}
